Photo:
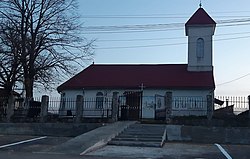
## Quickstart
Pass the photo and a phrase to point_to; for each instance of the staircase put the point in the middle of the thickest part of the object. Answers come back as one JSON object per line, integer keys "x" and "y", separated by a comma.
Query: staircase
{"x": 141, "y": 135}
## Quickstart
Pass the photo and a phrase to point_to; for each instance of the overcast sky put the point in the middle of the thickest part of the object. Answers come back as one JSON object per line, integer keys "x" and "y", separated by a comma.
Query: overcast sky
{"x": 152, "y": 32}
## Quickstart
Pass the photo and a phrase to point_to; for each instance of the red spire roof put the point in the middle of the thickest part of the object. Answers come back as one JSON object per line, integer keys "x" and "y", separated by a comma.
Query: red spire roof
{"x": 200, "y": 17}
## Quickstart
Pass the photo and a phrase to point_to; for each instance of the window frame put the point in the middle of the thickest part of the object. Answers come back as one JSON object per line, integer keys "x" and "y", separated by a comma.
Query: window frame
{"x": 200, "y": 48}
{"x": 99, "y": 100}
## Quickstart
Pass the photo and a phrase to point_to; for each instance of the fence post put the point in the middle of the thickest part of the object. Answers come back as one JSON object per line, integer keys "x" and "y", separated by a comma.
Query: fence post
{"x": 209, "y": 107}
{"x": 62, "y": 110}
{"x": 44, "y": 108}
{"x": 79, "y": 108}
{"x": 10, "y": 108}
{"x": 168, "y": 105}
{"x": 115, "y": 106}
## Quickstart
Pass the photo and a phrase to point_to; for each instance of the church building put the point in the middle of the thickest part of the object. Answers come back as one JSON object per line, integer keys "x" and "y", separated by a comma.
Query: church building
{"x": 153, "y": 91}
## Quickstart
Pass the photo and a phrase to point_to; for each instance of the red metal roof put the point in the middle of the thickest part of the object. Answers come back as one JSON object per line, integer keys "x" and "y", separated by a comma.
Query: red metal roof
{"x": 163, "y": 76}
{"x": 200, "y": 17}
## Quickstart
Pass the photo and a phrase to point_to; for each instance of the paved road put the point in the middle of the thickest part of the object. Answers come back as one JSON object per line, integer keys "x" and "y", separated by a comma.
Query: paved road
{"x": 22, "y": 143}
{"x": 37, "y": 149}
{"x": 178, "y": 151}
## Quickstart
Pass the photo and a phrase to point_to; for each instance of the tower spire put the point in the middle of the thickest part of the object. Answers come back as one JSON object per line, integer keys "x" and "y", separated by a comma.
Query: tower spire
{"x": 200, "y": 4}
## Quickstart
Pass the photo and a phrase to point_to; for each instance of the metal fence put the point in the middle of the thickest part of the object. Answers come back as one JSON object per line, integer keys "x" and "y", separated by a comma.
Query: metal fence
{"x": 130, "y": 107}
{"x": 57, "y": 108}
{"x": 235, "y": 104}
{"x": 92, "y": 107}
{"x": 188, "y": 106}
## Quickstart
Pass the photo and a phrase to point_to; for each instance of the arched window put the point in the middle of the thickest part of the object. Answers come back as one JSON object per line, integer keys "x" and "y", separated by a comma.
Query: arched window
{"x": 99, "y": 100}
{"x": 200, "y": 48}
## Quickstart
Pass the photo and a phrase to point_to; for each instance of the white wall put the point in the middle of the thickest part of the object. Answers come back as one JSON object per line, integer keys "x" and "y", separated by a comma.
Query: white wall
{"x": 206, "y": 33}
{"x": 178, "y": 108}
{"x": 148, "y": 101}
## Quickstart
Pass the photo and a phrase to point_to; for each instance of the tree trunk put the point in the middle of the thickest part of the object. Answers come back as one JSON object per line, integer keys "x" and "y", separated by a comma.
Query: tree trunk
{"x": 8, "y": 89}
{"x": 29, "y": 87}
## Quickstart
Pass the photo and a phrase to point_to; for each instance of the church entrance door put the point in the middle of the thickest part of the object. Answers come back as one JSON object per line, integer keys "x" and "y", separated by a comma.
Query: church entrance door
{"x": 130, "y": 106}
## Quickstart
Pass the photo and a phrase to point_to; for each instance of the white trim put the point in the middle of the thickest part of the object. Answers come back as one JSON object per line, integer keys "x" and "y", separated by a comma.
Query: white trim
{"x": 223, "y": 151}
{"x": 22, "y": 142}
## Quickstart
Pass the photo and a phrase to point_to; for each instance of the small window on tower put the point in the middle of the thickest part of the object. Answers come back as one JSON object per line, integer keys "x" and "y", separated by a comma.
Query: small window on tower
{"x": 200, "y": 48}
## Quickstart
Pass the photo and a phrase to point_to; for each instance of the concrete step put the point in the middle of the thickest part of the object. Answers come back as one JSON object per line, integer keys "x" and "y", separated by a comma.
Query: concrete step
{"x": 137, "y": 139}
{"x": 144, "y": 133}
{"x": 137, "y": 144}
{"x": 149, "y": 129}
{"x": 141, "y": 135}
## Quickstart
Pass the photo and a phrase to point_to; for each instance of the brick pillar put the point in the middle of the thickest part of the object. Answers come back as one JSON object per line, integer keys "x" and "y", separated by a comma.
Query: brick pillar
{"x": 44, "y": 108}
{"x": 79, "y": 108}
{"x": 209, "y": 107}
{"x": 115, "y": 106}
{"x": 168, "y": 105}
{"x": 10, "y": 107}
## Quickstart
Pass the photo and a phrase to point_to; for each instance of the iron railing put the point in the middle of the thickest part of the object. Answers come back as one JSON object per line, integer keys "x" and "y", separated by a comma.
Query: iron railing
{"x": 237, "y": 104}
{"x": 129, "y": 107}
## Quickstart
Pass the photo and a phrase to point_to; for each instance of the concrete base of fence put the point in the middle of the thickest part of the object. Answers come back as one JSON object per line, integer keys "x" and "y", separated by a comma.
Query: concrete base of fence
{"x": 48, "y": 129}
{"x": 201, "y": 134}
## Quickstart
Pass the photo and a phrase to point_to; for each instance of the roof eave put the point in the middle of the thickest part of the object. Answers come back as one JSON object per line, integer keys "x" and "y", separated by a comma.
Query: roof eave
{"x": 213, "y": 26}
{"x": 137, "y": 88}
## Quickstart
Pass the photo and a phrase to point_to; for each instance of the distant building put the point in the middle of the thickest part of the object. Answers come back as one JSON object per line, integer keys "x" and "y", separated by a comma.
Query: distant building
{"x": 146, "y": 88}
{"x": 4, "y": 100}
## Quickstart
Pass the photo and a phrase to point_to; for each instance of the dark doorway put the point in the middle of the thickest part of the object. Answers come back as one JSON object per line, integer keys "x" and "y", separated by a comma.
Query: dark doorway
{"x": 160, "y": 108}
{"x": 130, "y": 109}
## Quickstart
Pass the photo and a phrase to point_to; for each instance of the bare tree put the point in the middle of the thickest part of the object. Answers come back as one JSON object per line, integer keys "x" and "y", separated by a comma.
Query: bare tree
{"x": 50, "y": 43}
{"x": 10, "y": 68}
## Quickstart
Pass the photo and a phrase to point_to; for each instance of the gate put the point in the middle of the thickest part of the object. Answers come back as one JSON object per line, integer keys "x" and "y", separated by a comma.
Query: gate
{"x": 160, "y": 109}
{"x": 130, "y": 106}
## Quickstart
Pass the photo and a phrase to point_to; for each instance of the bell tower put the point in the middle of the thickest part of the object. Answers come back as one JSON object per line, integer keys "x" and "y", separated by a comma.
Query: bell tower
{"x": 200, "y": 29}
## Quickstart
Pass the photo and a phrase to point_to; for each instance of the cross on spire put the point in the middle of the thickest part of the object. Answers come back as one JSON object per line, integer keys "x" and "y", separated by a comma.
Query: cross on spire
{"x": 200, "y": 4}
{"x": 142, "y": 86}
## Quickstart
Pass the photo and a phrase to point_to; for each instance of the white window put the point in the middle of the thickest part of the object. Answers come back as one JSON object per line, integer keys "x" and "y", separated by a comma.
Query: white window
{"x": 200, "y": 48}
{"x": 99, "y": 100}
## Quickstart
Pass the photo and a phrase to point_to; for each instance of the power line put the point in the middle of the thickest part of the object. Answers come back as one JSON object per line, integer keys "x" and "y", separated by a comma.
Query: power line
{"x": 235, "y": 33}
{"x": 241, "y": 20}
{"x": 133, "y": 27}
{"x": 236, "y": 79}
{"x": 157, "y": 17}
{"x": 141, "y": 46}
{"x": 235, "y": 38}
{"x": 145, "y": 39}
{"x": 131, "y": 31}
{"x": 170, "y": 15}
{"x": 168, "y": 38}
{"x": 134, "y": 17}
{"x": 152, "y": 30}
{"x": 155, "y": 27}
{"x": 231, "y": 12}
{"x": 168, "y": 44}
{"x": 231, "y": 25}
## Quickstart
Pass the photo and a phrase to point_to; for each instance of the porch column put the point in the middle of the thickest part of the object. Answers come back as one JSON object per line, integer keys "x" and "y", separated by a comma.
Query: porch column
{"x": 209, "y": 107}
{"x": 115, "y": 106}
{"x": 168, "y": 105}
{"x": 10, "y": 107}
{"x": 79, "y": 108}
{"x": 44, "y": 108}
